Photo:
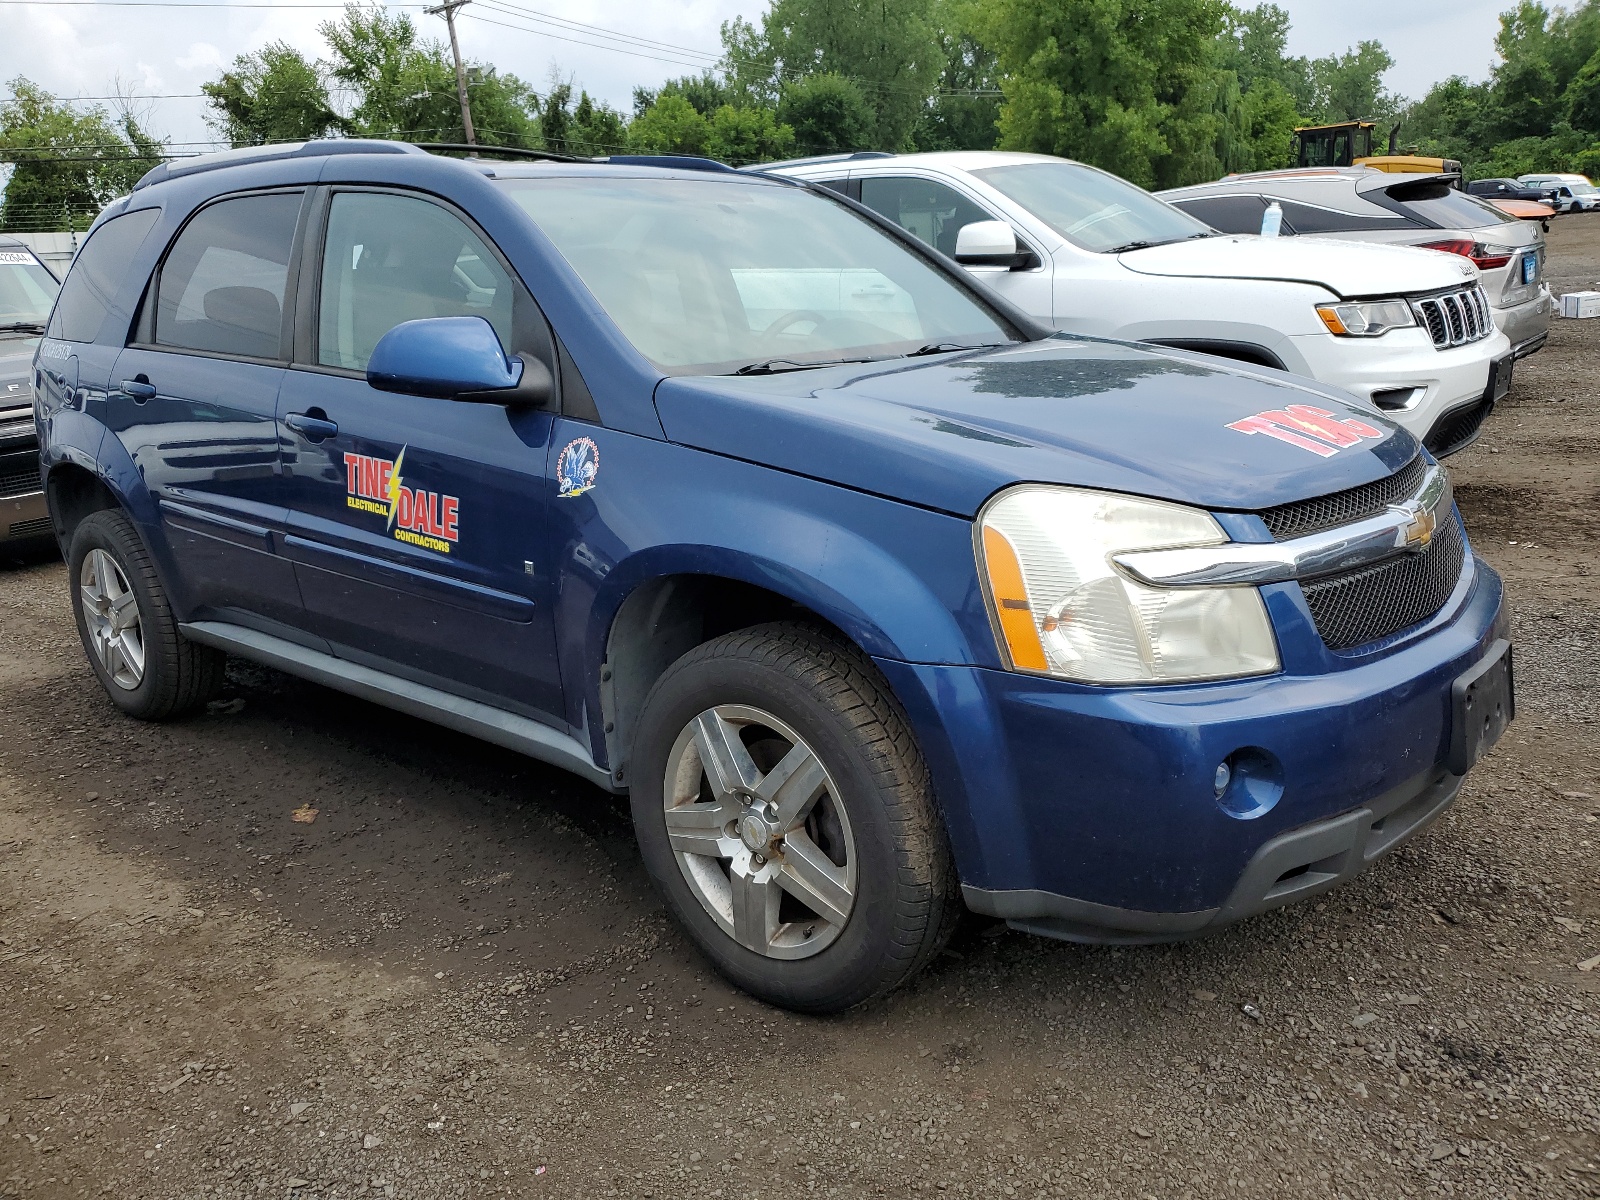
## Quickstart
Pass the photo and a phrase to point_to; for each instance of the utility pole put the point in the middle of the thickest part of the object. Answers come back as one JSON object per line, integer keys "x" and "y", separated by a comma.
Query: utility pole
{"x": 448, "y": 11}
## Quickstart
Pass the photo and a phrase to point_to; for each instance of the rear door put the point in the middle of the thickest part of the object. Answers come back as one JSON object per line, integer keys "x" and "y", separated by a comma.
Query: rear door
{"x": 194, "y": 397}
{"x": 417, "y": 526}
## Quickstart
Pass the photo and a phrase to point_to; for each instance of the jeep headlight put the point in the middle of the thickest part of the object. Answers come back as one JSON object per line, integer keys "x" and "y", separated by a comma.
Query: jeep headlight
{"x": 1062, "y": 608}
{"x": 1366, "y": 318}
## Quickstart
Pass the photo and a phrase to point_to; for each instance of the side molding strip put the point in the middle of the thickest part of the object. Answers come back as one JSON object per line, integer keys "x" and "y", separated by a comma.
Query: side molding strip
{"x": 465, "y": 716}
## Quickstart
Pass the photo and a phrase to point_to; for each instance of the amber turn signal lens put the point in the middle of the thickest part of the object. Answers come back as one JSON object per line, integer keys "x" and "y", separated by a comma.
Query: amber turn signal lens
{"x": 1010, "y": 597}
{"x": 1331, "y": 319}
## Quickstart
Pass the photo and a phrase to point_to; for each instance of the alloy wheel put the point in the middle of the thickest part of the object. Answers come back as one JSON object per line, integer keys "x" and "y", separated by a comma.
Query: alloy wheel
{"x": 759, "y": 832}
{"x": 111, "y": 614}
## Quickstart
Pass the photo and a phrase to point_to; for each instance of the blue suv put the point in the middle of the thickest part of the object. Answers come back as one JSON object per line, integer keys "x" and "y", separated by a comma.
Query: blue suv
{"x": 877, "y": 600}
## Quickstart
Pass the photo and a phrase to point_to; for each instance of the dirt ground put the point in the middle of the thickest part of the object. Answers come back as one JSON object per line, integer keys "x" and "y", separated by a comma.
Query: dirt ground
{"x": 456, "y": 981}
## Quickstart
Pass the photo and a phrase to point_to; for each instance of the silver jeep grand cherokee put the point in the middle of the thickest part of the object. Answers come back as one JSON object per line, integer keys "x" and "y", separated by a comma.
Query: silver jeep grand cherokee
{"x": 27, "y": 293}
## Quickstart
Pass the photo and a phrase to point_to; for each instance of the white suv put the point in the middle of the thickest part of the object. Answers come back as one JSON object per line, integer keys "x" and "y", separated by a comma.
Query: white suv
{"x": 1408, "y": 330}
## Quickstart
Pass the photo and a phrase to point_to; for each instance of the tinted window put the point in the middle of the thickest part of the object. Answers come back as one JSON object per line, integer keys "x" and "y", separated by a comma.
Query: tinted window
{"x": 929, "y": 211}
{"x": 96, "y": 274}
{"x": 1441, "y": 205}
{"x": 389, "y": 259}
{"x": 1317, "y": 219}
{"x": 222, "y": 284}
{"x": 707, "y": 275}
{"x": 1091, "y": 208}
{"x": 842, "y": 186}
{"x": 1230, "y": 214}
{"x": 26, "y": 289}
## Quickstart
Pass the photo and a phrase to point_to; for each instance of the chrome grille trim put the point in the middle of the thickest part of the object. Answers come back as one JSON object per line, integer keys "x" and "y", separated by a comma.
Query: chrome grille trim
{"x": 1455, "y": 318}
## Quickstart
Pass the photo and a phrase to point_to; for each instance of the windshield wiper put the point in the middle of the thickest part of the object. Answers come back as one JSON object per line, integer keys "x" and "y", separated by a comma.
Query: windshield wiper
{"x": 945, "y": 348}
{"x": 774, "y": 366}
{"x": 1142, "y": 245}
{"x": 22, "y": 327}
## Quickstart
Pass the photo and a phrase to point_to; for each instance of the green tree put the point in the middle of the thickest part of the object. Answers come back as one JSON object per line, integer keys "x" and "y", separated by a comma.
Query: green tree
{"x": 1349, "y": 86}
{"x": 66, "y": 163}
{"x": 669, "y": 126}
{"x": 747, "y": 135}
{"x": 597, "y": 129}
{"x": 888, "y": 48}
{"x": 707, "y": 91}
{"x": 273, "y": 95}
{"x": 1129, "y": 85}
{"x": 404, "y": 87}
{"x": 1583, "y": 97}
{"x": 964, "y": 114}
{"x": 828, "y": 114}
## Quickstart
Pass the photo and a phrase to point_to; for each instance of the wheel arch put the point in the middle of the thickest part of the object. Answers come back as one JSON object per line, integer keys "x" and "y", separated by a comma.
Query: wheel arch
{"x": 73, "y": 492}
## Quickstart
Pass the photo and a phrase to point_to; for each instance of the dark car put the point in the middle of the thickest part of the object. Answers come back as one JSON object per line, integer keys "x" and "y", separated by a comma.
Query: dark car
{"x": 27, "y": 292}
{"x": 722, "y": 491}
{"x": 1509, "y": 189}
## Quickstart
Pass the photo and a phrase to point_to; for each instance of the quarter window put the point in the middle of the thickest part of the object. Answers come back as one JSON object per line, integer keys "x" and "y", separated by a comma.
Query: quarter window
{"x": 931, "y": 212}
{"x": 101, "y": 267}
{"x": 222, "y": 285}
{"x": 389, "y": 259}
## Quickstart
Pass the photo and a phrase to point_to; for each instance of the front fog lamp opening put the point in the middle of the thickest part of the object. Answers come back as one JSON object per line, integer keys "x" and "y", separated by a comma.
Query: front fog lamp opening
{"x": 1366, "y": 318}
{"x": 1062, "y": 608}
{"x": 1248, "y": 783}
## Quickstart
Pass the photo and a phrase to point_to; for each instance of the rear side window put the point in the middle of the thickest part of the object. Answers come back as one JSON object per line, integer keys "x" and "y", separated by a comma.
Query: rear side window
{"x": 222, "y": 285}
{"x": 1441, "y": 205}
{"x": 100, "y": 269}
{"x": 1228, "y": 214}
{"x": 389, "y": 259}
{"x": 1315, "y": 219}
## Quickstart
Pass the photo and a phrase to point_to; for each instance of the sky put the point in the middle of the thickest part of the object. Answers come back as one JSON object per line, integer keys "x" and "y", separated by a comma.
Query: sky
{"x": 97, "y": 49}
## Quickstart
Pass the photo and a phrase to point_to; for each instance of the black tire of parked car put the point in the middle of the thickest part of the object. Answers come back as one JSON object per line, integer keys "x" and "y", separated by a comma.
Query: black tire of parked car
{"x": 179, "y": 675}
{"x": 907, "y": 900}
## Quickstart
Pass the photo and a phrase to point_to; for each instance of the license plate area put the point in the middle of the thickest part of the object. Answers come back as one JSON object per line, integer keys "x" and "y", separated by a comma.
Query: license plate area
{"x": 1500, "y": 377}
{"x": 1483, "y": 702}
{"x": 1530, "y": 266}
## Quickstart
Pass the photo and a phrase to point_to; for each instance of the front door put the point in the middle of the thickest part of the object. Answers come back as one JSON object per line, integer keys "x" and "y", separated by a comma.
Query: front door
{"x": 417, "y": 526}
{"x": 934, "y": 212}
{"x": 194, "y": 401}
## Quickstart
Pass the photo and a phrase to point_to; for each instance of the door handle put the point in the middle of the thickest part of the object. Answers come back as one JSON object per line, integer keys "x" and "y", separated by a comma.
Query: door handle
{"x": 314, "y": 426}
{"x": 139, "y": 390}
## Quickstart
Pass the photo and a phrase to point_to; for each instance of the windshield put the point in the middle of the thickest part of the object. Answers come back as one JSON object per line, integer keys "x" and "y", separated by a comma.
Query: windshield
{"x": 711, "y": 276}
{"x": 1090, "y": 208}
{"x": 1583, "y": 189}
{"x": 27, "y": 290}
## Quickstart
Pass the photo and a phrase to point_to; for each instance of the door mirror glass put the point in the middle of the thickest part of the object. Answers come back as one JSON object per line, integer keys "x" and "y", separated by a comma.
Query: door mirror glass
{"x": 454, "y": 358}
{"x": 987, "y": 244}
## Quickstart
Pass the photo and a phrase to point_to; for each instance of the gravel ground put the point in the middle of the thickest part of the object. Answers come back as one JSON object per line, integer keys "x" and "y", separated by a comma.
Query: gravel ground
{"x": 456, "y": 982}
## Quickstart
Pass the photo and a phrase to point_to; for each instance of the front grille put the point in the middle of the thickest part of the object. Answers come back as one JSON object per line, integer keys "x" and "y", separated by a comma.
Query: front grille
{"x": 1355, "y": 608}
{"x": 38, "y": 527}
{"x": 1457, "y": 430}
{"x": 18, "y": 480}
{"x": 1344, "y": 508}
{"x": 1455, "y": 318}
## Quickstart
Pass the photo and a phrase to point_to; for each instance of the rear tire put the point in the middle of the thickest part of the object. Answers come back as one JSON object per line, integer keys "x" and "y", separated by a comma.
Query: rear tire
{"x": 149, "y": 669}
{"x": 785, "y": 813}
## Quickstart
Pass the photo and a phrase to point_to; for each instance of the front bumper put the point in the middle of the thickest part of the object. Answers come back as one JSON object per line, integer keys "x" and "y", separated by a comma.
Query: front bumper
{"x": 23, "y": 516}
{"x": 1091, "y": 813}
{"x": 1403, "y": 367}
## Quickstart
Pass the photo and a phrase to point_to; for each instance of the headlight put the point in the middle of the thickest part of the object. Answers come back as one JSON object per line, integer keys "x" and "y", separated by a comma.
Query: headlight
{"x": 1366, "y": 318}
{"x": 1062, "y": 608}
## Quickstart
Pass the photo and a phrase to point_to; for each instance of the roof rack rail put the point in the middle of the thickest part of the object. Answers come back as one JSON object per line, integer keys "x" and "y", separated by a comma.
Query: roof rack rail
{"x": 681, "y": 162}
{"x": 818, "y": 159}
{"x": 239, "y": 155}
{"x": 472, "y": 149}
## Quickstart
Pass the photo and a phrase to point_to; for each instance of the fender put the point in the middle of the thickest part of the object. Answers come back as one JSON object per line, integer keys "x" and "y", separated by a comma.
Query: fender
{"x": 899, "y": 581}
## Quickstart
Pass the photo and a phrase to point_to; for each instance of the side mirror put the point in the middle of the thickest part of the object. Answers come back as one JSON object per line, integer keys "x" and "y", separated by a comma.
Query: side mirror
{"x": 990, "y": 244}
{"x": 456, "y": 358}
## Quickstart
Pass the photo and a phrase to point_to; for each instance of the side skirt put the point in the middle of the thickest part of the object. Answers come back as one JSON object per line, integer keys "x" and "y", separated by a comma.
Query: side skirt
{"x": 453, "y": 712}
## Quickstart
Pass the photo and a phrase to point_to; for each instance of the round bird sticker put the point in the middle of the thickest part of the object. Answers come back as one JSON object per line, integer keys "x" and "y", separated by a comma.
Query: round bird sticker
{"x": 577, "y": 467}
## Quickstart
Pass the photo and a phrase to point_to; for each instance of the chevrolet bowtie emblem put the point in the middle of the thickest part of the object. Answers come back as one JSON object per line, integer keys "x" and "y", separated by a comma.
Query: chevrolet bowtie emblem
{"x": 1420, "y": 532}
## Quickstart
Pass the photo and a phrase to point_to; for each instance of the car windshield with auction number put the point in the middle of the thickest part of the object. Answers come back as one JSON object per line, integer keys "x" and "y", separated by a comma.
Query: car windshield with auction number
{"x": 878, "y": 599}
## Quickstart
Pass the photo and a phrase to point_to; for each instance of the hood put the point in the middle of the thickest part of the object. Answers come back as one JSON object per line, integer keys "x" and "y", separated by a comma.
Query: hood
{"x": 1344, "y": 268}
{"x": 949, "y": 433}
{"x": 16, "y": 369}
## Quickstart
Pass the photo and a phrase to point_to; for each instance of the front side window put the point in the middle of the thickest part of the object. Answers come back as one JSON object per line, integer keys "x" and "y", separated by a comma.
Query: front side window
{"x": 99, "y": 270}
{"x": 222, "y": 286}
{"x": 710, "y": 276}
{"x": 27, "y": 291}
{"x": 389, "y": 259}
{"x": 929, "y": 211}
{"x": 1090, "y": 208}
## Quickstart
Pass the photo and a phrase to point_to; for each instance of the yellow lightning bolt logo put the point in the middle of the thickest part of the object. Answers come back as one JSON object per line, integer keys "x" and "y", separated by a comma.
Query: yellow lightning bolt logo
{"x": 394, "y": 486}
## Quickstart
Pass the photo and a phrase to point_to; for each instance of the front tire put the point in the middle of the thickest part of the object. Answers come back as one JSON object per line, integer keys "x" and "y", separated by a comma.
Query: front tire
{"x": 148, "y": 668}
{"x": 785, "y": 813}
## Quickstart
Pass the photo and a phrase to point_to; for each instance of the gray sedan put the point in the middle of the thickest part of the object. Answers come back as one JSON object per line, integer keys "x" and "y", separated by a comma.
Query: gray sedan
{"x": 1366, "y": 205}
